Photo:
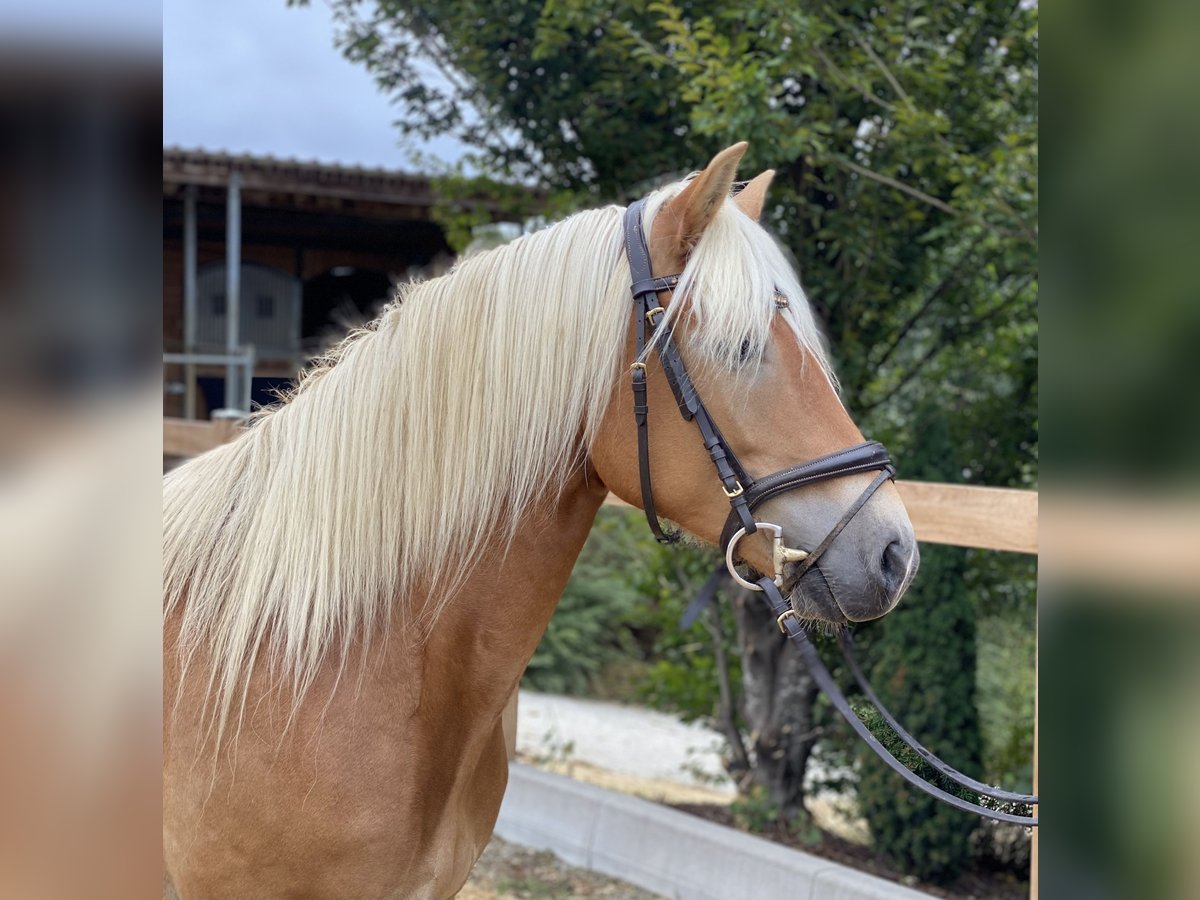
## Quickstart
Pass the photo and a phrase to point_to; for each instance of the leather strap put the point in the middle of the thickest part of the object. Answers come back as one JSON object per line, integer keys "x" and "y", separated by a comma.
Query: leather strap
{"x": 847, "y": 646}
{"x": 790, "y": 625}
{"x": 817, "y": 552}
{"x": 645, "y": 289}
{"x": 644, "y": 286}
{"x": 864, "y": 457}
{"x": 707, "y": 594}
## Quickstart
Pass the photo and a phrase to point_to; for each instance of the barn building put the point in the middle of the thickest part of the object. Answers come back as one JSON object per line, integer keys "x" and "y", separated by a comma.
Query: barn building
{"x": 266, "y": 260}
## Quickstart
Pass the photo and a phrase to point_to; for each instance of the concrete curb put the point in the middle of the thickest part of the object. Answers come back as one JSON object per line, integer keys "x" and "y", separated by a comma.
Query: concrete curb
{"x": 669, "y": 852}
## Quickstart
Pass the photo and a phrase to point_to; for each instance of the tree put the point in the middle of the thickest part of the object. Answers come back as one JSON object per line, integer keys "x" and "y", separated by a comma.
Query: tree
{"x": 905, "y": 141}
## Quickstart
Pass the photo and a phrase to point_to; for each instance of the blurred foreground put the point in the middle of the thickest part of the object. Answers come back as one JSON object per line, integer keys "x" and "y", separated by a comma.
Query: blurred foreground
{"x": 80, "y": 463}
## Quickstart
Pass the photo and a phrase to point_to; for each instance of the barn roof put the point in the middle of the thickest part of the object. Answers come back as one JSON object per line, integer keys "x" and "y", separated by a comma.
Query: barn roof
{"x": 291, "y": 178}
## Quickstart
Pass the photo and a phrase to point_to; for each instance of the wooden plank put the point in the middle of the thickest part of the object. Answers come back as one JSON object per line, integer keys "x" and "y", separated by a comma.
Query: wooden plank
{"x": 1117, "y": 539}
{"x": 182, "y": 437}
{"x": 965, "y": 515}
{"x": 185, "y": 438}
{"x": 969, "y": 516}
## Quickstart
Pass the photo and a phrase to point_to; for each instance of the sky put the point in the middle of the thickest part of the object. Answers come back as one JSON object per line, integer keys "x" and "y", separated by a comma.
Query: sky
{"x": 258, "y": 76}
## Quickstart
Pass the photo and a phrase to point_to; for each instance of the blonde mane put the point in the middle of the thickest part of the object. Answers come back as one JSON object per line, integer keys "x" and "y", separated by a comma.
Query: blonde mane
{"x": 432, "y": 431}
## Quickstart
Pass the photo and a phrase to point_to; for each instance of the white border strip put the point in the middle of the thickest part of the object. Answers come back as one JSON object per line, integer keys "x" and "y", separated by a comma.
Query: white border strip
{"x": 670, "y": 852}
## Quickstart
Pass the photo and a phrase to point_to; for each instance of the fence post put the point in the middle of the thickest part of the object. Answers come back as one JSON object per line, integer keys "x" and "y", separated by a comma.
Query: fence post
{"x": 1033, "y": 850}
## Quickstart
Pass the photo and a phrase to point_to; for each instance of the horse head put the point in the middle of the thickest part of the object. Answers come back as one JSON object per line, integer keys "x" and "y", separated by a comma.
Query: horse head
{"x": 748, "y": 342}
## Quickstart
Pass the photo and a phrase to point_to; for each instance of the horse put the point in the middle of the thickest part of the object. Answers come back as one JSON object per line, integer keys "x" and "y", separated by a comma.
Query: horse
{"x": 354, "y": 586}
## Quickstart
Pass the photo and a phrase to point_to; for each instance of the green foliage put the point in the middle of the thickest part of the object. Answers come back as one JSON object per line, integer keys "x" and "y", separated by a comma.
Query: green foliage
{"x": 466, "y": 202}
{"x": 1005, "y": 687}
{"x": 580, "y": 639}
{"x": 754, "y": 810}
{"x": 587, "y": 632}
{"x": 683, "y": 675}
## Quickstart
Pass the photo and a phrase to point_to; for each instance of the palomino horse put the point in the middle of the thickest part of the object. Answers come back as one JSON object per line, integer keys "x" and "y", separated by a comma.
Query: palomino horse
{"x": 355, "y": 585}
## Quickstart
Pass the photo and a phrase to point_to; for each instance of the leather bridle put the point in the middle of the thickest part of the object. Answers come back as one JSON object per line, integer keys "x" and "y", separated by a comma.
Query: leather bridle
{"x": 745, "y": 494}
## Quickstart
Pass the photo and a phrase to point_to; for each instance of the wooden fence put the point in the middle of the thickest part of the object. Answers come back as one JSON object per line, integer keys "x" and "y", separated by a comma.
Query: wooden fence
{"x": 961, "y": 515}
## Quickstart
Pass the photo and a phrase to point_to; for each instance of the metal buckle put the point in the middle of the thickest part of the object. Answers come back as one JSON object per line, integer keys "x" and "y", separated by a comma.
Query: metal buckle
{"x": 732, "y": 494}
{"x": 783, "y": 615}
{"x": 780, "y": 555}
{"x": 658, "y": 310}
{"x": 637, "y": 365}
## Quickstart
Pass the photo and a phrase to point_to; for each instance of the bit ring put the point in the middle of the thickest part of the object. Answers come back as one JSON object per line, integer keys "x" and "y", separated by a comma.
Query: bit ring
{"x": 729, "y": 550}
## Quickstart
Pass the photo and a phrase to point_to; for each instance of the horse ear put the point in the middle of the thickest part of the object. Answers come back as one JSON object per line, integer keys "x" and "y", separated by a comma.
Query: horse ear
{"x": 697, "y": 204}
{"x": 751, "y": 198}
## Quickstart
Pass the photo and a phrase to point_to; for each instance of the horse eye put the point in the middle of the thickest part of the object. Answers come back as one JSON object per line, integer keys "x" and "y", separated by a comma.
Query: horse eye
{"x": 744, "y": 351}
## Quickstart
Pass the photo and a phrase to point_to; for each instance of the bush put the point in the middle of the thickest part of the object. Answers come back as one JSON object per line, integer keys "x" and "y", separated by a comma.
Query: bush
{"x": 589, "y": 629}
{"x": 924, "y": 670}
{"x": 1005, "y": 684}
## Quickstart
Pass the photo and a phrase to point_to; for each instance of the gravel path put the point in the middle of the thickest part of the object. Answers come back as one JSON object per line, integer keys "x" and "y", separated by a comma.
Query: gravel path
{"x": 509, "y": 871}
{"x": 626, "y": 740}
{"x": 649, "y": 754}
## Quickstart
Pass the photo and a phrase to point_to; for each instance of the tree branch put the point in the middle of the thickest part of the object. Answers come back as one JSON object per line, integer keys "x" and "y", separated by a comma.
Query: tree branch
{"x": 944, "y": 340}
{"x": 740, "y": 762}
{"x": 879, "y": 63}
{"x": 1022, "y": 231}
{"x": 950, "y": 278}
{"x": 898, "y": 185}
{"x": 867, "y": 93}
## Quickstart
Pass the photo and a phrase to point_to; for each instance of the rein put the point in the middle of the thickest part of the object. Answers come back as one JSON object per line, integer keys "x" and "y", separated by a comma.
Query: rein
{"x": 745, "y": 494}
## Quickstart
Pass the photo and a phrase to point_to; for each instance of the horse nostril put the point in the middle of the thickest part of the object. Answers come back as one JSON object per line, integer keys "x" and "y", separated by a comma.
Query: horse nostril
{"x": 893, "y": 566}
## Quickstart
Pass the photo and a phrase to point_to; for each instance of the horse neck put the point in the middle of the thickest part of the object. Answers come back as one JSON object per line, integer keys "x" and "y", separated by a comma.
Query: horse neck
{"x": 485, "y": 638}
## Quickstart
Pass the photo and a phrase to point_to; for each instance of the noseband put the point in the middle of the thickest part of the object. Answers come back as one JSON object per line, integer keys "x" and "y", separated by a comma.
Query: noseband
{"x": 746, "y": 494}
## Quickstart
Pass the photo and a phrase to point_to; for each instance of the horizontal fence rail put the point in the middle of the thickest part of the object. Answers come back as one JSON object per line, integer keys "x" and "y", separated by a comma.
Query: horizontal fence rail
{"x": 962, "y": 515}
{"x": 969, "y": 516}
{"x": 191, "y": 437}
